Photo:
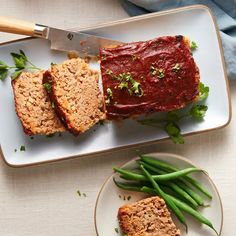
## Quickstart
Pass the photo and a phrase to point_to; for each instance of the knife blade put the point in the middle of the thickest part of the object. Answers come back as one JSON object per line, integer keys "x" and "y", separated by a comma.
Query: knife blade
{"x": 62, "y": 40}
{"x": 75, "y": 41}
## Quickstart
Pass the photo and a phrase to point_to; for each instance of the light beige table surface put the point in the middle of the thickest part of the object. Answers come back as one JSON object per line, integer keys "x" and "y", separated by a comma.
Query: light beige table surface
{"x": 42, "y": 200}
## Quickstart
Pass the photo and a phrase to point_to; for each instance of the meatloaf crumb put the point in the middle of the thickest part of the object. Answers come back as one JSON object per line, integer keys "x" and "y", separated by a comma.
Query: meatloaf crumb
{"x": 33, "y": 105}
{"x": 148, "y": 217}
{"x": 75, "y": 92}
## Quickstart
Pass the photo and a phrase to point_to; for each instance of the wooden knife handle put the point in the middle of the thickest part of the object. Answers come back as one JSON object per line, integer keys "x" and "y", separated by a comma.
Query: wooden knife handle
{"x": 15, "y": 26}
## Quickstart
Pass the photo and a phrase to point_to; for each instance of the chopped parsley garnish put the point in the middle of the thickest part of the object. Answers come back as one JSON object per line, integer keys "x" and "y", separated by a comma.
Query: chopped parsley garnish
{"x": 31, "y": 137}
{"x": 123, "y": 84}
{"x": 128, "y": 198}
{"x": 193, "y": 46}
{"x": 53, "y": 64}
{"x": 50, "y": 135}
{"x": 176, "y": 68}
{"x": 104, "y": 57}
{"x": 15, "y": 150}
{"x": 117, "y": 230}
{"x": 109, "y": 72}
{"x": 81, "y": 194}
{"x": 22, "y": 148}
{"x": 134, "y": 57}
{"x": 159, "y": 72}
{"x": 127, "y": 82}
{"x": 47, "y": 86}
{"x": 109, "y": 92}
{"x": 153, "y": 70}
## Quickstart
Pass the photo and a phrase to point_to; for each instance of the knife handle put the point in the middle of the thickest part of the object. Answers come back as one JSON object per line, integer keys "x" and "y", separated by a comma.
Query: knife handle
{"x": 15, "y": 26}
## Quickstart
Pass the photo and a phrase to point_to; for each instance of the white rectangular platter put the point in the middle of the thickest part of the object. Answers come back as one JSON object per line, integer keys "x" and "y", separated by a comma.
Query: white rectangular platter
{"x": 195, "y": 22}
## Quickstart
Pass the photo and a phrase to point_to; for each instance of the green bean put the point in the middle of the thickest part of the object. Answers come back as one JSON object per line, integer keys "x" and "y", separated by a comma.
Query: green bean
{"x": 128, "y": 187}
{"x": 160, "y": 164}
{"x": 166, "y": 197}
{"x": 164, "y": 177}
{"x": 174, "y": 186}
{"x": 193, "y": 194}
{"x": 170, "y": 168}
{"x": 183, "y": 206}
{"x": 185, "y": 195}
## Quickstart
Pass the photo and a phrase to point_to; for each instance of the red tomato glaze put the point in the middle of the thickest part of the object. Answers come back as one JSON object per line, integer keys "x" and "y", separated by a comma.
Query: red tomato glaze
{"x": 145, "y": 77}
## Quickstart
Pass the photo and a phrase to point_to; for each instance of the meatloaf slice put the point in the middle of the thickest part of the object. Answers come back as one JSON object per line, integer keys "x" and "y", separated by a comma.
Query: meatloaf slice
{"x": 33, "y": 105}
{"x": 150, "y": 76}
{"x": 148, "y": 217}
{"x": 75, "y": 92}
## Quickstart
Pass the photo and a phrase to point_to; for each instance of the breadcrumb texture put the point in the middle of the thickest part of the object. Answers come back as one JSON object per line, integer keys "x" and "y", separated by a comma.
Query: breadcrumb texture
{"x": 76, "y": 94}
{"x": 33, "y": 105}
{"x": 148, "y": 217}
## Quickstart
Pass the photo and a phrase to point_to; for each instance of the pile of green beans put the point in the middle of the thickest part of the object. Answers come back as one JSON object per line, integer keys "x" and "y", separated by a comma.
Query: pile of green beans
{"x": 178, "y": 190}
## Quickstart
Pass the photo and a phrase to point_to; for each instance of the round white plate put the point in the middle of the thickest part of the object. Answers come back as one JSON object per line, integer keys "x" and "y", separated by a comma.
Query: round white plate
{"x": 111, "y": 198}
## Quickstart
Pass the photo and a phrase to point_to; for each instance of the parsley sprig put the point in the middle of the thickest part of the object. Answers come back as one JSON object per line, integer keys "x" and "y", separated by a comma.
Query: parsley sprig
{"x": 170, "y": 123}
{"x": 21, "y": 63}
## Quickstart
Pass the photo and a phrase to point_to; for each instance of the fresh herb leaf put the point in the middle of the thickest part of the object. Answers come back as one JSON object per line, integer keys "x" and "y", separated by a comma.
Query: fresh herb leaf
{"x": 198, "y": 111}
{"x": 16, "y": 74}
{"x": 22, "y": 148}
{"x": 3, "y": 65}
{"x": 117, "y": 230}
{"x": 78, "y": 192}
{"x": 173, "y": 130}
{"x": 193, "y": 46}
{"x": 23, "y": 55}
{"x": 173, "y": 116}
{"x": 203, "y": 92}
{"x": 19, "y": 60}
{"x": 47, "y": 86}
{"x": 3, "y": 74}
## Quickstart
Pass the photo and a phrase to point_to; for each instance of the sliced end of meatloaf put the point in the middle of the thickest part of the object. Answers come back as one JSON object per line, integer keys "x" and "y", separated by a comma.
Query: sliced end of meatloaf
{"x": 33, "y": 105}
{"x": 150, "y": 76}
{"x": 148, "y": 217}
{"x": 75, "y": 92}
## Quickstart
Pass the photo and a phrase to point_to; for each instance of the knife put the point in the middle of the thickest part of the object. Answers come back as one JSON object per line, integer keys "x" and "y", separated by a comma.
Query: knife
{"x": 62, "y": 40}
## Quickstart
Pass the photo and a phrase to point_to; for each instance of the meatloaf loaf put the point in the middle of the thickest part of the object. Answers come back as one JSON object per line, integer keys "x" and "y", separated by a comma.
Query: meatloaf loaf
{"x": 151, "y": 76}
{"x": 148, "y": 217}
{"x": 33, "y": 105}
{"x": 75, "y": 92}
